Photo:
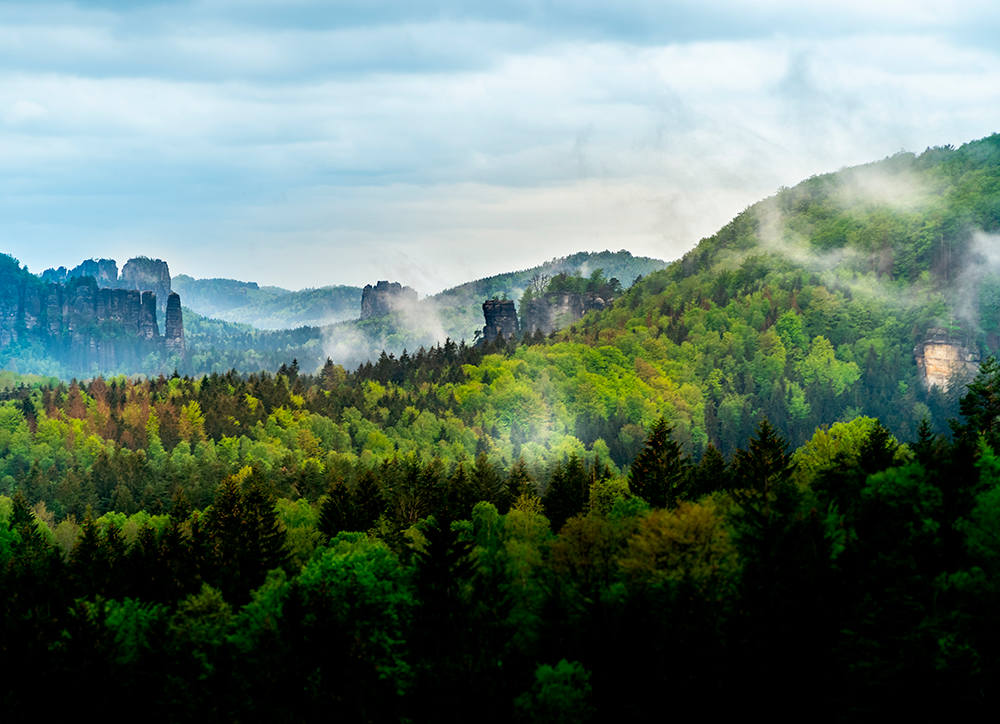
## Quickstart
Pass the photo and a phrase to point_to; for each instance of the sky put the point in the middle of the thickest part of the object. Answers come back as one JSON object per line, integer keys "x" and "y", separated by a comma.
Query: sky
{"x": 303, "y": 144}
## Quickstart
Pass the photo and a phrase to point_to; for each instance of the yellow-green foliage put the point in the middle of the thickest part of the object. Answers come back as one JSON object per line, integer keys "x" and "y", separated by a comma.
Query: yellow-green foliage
{"x": 840, "y": 443}
{"x": 605, "y": 493}
{"x": 689, "y": 542}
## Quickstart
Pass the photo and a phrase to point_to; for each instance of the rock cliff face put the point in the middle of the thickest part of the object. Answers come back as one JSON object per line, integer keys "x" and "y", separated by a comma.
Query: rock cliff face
{"x": 384, "y": 298}
{"x": 555, "y": 310}
{"x": 141, "y": 274}
{"x": 501, "y": 319}
{"x": 147, "y": 274}
{"x": 105, "y": 271}
{"x": 943, "y": 358}
{"x": 80, "y": 324}
{"x": 173, "y": 331}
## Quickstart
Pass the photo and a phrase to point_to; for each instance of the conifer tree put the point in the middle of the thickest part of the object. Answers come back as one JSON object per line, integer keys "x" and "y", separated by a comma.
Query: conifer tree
{"x": 488, "y": 484}
{"x": 368, "y": 503}
{"x": 764, "y": 466}
{"x": 337, "y": 512}
{"x": 245, "y": 535}
{"x": 657, "y": 474}
{"x": 86, "y": 565}
{"x": 519, "y": 480}
{"x": 708, "y": 476}
{"x": 567, "y": 493}
{"x": 980, "y": 406}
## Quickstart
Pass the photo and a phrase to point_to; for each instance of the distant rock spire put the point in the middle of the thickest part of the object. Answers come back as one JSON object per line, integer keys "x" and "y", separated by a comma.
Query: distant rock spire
{"x": 173, "y": 325}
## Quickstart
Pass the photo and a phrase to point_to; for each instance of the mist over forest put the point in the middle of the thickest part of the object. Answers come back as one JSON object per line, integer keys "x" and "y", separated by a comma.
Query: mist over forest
{"x": 567, "y": 493}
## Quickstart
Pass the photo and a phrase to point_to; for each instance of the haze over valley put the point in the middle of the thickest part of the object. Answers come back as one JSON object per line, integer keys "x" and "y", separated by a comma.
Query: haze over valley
{"x": 530, "y": 363}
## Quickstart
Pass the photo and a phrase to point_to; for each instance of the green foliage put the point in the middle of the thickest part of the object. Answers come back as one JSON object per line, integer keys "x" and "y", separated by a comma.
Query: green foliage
{"x": 559, "y": 695}
{"x": 358, "y": 583}
{"x": 658, "y": 473}
{"x": 267, "y": 307}
{"x": 844, "y": 443}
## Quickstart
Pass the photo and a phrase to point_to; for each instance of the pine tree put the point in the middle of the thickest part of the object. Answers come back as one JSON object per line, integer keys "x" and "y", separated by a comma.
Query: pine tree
{"x": 337, "y": 512}
{"x": 764, "y": 466}
{"x": 86, "y": 564}
{"x": 878, "y": 450}
{"x": 981, "y": 404}
{"x": 657, "y": 474}
{"x": 246, "y": 538}
{"x": 519, "y": 480}
{"x": 367, "y": 501}
{"x": 488, "y": 484}
{"x": 567, "y": 493}
{"x": 709, "y": 475}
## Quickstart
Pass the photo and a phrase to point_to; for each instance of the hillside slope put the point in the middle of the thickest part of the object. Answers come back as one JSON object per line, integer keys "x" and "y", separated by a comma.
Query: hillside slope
{"x": 806, "y": 308}
{"x": 455, "y": 314}
{"x": 268, "y": 307}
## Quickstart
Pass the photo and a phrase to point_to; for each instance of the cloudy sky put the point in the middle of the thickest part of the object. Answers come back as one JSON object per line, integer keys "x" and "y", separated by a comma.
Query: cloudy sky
{"x": 304, "y": 143}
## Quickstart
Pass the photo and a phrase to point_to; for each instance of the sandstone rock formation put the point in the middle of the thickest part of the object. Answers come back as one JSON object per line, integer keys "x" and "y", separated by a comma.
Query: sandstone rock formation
{"x": 141, "y": 274}
{"x": 501, "y": 319}
{"x": 943, "y": 358}
{"x": 173, "y": 332}
{"x": 555, "y": 310}
{"x": 105, "y": 271}
{"x": 385, "y": 298}
{"x": 84, "y": 326}
{"x": 147, "y": 274}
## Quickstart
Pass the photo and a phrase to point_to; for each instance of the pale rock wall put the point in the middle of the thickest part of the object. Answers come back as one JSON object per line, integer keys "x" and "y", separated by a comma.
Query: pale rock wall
{"x": 943, "y": 358}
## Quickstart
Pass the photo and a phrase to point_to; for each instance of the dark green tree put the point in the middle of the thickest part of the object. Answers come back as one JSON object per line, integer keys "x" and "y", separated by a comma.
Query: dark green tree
{"x": 488, "y": 484}
{"x": 568, "y": 492}
{"x": 337, "y": 512}
{"x": 711, "y": 474}
{"x": 246, "y": 540}
{"x": 765, "y": 465}
{"x": 980, "y": 406}
{"x": 658, "y": 473}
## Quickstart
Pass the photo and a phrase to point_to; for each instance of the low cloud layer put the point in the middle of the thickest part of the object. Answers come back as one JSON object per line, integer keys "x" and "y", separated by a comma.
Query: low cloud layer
{"x": 296, "y": 145}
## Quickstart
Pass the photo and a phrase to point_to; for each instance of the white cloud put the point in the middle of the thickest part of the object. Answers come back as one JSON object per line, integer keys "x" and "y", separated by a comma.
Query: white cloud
{"x": 451, "y": 141}
{"x": 22, "y": 111}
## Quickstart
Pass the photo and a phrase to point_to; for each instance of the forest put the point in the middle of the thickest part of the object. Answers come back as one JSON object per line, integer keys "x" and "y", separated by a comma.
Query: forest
{"x": 735, "y": 483}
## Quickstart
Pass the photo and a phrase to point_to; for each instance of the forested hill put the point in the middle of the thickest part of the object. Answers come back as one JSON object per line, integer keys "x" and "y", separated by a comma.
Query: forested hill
{"x": 807, "y": 306}
{"x": 460, "y": 308}
{"x": 455, "y": 314}
{"x": 268, "y": 307}
{"x": 277, "y": 308}
{"x": 460, "y": 525}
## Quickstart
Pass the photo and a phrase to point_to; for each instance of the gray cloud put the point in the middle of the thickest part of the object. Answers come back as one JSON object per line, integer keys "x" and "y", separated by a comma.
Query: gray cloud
{"x": 450, "y": 139}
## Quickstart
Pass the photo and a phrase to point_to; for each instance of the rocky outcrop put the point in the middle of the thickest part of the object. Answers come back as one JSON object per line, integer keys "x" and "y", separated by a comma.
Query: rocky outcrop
{"x": 944, "y": 358}
{"x": 384, "y": 298}
{"x": 501, "y": 319}
{"x": 173, "y": 332}
{"x": 141, "y": 274}
{"x": 104, "y": 271}
{"x": 147, "y": 274}
{"x": 86, "y": 327}
{"x": 555, "y": 310}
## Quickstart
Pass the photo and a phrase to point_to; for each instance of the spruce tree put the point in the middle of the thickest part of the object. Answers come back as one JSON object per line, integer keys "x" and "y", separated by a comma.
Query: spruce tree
{"x": 368, "y": 501}
{"x": 337, "y": 512}
{"x": 711, "y": 474}
{"x": 658, "y": 473}
{"x": 764, "y": 466}
{"x": 567, "y": 493}
{"x": 488, "y": 484}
